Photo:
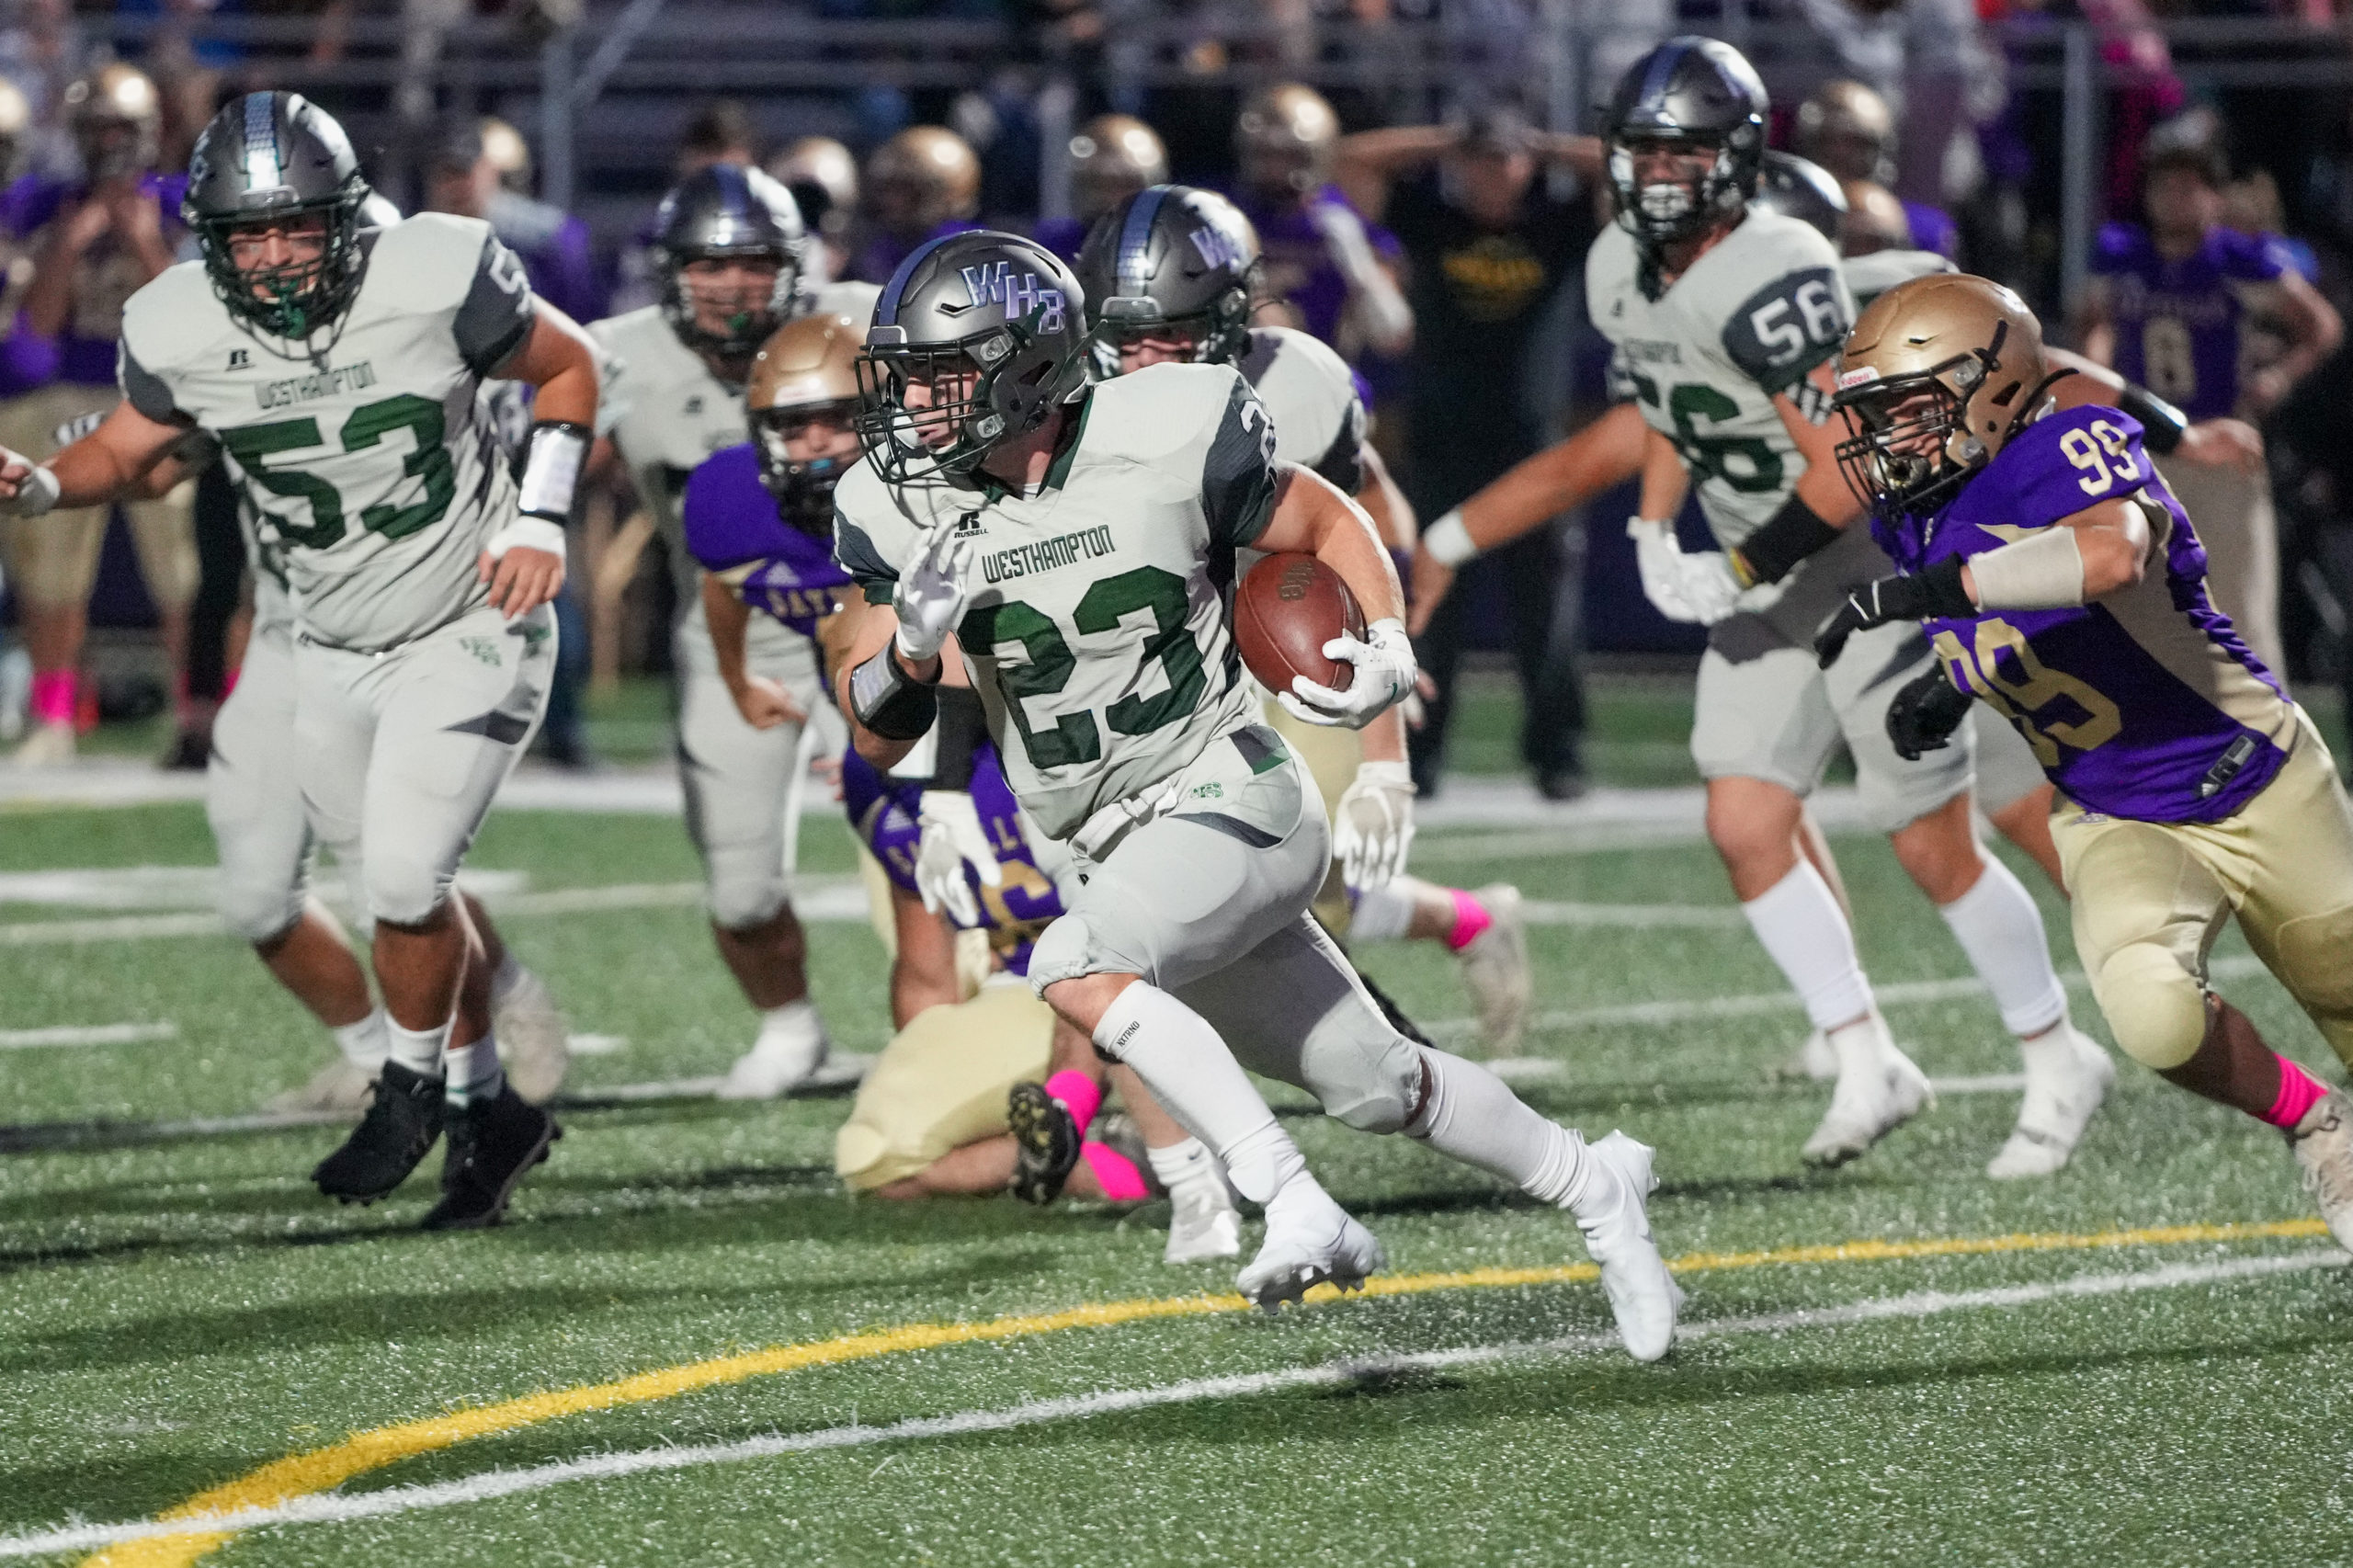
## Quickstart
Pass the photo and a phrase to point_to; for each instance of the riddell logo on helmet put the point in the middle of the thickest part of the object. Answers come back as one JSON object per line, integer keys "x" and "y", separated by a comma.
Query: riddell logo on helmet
{"x": 996, "y": 284}
{"x": 1218, "y": 248}
{"x": 1856, "y": 377}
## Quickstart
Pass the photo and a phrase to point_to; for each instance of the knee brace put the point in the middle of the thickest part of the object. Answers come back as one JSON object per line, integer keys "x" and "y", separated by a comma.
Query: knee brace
{"x": 2156, "y": 1007}
{"x": 2315, "y": 962}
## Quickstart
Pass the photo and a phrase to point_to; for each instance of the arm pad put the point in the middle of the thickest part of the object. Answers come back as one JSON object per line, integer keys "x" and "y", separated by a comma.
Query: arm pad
{"x": 2043, "y": 571}
{"x": 553, "y": 457}
{"x": 890, "y": 702}
{"x": 1773, "y": 552}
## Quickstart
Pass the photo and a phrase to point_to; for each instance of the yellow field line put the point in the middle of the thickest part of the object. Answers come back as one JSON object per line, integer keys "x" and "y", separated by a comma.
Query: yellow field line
{"x": 320, "y": 1470}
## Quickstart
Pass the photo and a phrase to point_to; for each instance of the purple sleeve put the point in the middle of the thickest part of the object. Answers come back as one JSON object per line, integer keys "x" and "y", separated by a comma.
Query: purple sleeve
{"x": 730, "y": 519}
{"x": 28, "y": 360}
{"x": 2113, "y": 248}
{"x": 1933, "y": 230}
{"x": 2061, "y": 477}
{"x": 2255, "y": 258}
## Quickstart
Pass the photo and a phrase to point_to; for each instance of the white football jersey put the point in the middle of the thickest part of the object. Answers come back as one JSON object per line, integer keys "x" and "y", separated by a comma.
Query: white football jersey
{"x": 666, "y": 412}
{"x": 1868, "y": 277}
{"x": 1312, "y": 398}
{"x": 1750, "y": 318}
{"x": 367, "y": 457}
{"x": 1096, "y": 625}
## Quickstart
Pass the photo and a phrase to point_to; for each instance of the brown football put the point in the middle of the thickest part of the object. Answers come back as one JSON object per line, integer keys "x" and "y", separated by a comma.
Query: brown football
{"x": 1289, "y": 605}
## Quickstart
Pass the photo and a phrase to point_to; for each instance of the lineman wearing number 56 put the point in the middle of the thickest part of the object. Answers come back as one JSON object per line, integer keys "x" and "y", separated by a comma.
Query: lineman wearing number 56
{"x": 340, "y": 370}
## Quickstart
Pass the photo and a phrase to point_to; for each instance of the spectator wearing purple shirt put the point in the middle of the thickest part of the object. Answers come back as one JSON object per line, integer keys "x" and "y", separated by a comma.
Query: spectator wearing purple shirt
{"x": 95, "y": 241}
{"x": 922, "y": 184}
{"x": 1332, "y": 273}
{"x": 2169, "y": 307}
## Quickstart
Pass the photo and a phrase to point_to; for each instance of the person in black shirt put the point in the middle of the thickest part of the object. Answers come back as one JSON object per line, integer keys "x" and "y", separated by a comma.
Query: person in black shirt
{"x": 1489, "y": 251}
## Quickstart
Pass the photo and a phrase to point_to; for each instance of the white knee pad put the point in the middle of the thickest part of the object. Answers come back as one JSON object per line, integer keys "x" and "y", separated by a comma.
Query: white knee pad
{"x": 739, "y": 902}
{"x": 1364, "y": 1072}
{"x": 256, "y": 910}
{"x": 2155, "y": 1009}
{"x": 1063, "y": 951}
{"x": 403, "y": 890}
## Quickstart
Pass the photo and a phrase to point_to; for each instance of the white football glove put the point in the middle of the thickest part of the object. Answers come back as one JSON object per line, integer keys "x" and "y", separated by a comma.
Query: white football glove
{"x": 1384, "y": 675}
{"x": 929, "y": 599}
{"x": 1695, "y": 588}
{"x": 32, "y": 488}
{"x": 1372, "y": 827}
{"x": 953, "y": 838}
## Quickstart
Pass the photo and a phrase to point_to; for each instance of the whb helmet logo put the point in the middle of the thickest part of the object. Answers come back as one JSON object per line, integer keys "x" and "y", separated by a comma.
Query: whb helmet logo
{"x": 1218, "y": 248}
{"x": 996, "y": 284}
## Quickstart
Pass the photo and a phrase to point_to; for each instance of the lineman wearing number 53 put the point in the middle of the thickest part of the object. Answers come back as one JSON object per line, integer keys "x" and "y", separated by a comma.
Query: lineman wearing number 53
{"x": 2063, "y": 583}
{"x": 340, "y": 370}
{"x": 1070, "y": 543}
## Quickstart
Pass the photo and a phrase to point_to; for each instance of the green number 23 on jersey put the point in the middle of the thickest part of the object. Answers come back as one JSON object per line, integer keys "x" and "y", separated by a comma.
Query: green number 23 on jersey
{"x": 252, "y": 445}
{"x": 1047, "y": 663}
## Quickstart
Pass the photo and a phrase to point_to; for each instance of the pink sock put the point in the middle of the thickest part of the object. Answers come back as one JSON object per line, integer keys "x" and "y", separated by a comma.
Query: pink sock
{"x": 1470, "y": 917}
{"x": 54, "y": 696}
{"x": 1114, "y": 1172}
{"x": 1080, "y": 1093}
{"x": 2298, "y": 1090}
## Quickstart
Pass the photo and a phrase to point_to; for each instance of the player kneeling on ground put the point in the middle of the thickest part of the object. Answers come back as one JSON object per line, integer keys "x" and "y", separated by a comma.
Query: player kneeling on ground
{"x": 1073, "y": 540}
{"x": 940, "y": 1111}
{"x": 421, "y": 570}
{"x": 2062, "y": 582}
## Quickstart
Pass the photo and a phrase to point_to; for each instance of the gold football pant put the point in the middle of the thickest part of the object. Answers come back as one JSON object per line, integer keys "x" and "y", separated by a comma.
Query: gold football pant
{"x": 942, "y": 1083}
{"x": 1331, "y": 753}
{"x": 53, "y": 559}
{"x": 2150, "y": 898}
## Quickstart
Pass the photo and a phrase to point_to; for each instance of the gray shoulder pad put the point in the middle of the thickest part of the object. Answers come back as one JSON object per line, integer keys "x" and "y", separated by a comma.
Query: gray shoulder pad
{"x": 496, "y": 314}
{"x": 1783, "y": 330}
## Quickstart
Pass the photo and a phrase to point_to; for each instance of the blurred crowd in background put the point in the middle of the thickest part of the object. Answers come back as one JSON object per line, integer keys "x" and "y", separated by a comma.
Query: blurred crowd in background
{"x": 1421, "y": 173}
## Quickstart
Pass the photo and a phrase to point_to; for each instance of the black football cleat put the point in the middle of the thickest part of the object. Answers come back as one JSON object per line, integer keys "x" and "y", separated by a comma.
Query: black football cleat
{"x": 492, "y": 1144}
{"x": 1045, "y": 1142}
{"x": 404, "y": 1117}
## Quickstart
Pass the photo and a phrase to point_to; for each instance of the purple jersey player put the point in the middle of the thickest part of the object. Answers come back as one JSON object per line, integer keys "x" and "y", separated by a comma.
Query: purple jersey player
{"x": 2064, "y": 585}
{"x": 2177, "y": 317}
{"x": 734, "y": 529}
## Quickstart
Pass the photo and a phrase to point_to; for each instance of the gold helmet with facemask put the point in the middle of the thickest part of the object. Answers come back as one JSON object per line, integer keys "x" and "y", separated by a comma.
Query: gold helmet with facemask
{"x": 1938, "y": 374}
{"x": 807, "y": 368}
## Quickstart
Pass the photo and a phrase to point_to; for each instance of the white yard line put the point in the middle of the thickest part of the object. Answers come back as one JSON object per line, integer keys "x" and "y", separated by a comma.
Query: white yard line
{"x": 345, "y": 1508}
{"x": 87, "y": 1034}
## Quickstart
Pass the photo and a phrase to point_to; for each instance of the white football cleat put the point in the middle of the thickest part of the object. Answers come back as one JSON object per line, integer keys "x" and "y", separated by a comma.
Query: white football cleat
{"x": 1879, "y": 1090}
{"x": 786, "y": 1056}
{"x": 340, "y": 1087}
{"x": 2065, "y": 1081}
{"x": 48, "y": 746}
{"x": 2324, "y": 1144}
{"x": 1310, "y": 1240}
{"x": 1643, "y": 1297}
{"x": 1815, "y": 1059}
{"x": 1203, "y": 1223}
{"x": 1494, "y": 970}
{"x": 532, "y": 1036}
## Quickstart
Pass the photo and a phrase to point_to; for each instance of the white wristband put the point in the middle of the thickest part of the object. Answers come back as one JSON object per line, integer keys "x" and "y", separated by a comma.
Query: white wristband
{"x": 551, "y": 469}
{"x": 2043, "y": 571}
{"x": 1449, "y": 541}
{"x": 528, "y": 533}
{"x": 37, "y": 493}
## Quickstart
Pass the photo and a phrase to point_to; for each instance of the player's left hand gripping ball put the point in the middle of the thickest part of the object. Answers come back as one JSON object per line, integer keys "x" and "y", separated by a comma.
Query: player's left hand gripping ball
{"x": 953, "y": 838}
{"x": 1385, "y": 673}
{"x": 929, "y": 599}
{"x": 1936, "y": 592}
{"x": 1372, "y": 827}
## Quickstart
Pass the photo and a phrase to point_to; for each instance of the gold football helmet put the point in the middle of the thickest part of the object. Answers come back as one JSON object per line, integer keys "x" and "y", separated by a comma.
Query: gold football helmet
{"x": 822, "y": 178}
{"x": 1938, "y": 374}
{"x": 1285, "y": 137}
{"x": 118, "y": 122}
{"x": 509, "y": 154}
{"x": 1849, "y": 129}
{"x": 920, "y": 178}
{"x": 1112, "y": 158}
{"x": 807, "y": 370}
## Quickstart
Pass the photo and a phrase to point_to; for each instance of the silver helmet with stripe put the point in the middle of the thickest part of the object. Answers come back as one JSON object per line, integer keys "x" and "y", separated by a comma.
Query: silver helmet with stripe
{"x": 976, "y": 340}
{"x": 1170, "y": 261}
{"x": 277, "y": 161}
{"x": 721, "y": 212}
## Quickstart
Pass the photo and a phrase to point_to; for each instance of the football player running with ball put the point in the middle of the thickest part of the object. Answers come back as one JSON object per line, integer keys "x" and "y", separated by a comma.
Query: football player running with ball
{"x": 1072, "y": 540}
{"x": 339, "y": 368}
{"x": 1725, "y": 318}
{"x": 1170, "y": 276}
{"x": 2063, "y": 585}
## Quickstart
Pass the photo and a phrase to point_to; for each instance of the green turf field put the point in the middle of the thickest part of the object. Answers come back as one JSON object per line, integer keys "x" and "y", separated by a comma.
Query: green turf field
{"x": 2137, "y": 1361}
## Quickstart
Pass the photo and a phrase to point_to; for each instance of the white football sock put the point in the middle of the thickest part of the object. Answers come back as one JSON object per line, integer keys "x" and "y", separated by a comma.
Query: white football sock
{"x": 474, "y": 1071}
{"x": 365, "y": 1044}
{"x": 509, "y": 974}
{"x": 1807, "y": 935}
{"x": 1999, "y": 927}
{"x": 419, "y": 1051}
{"x": 1180, "y": 1165}
{"x": 1383, "y": 913}
{"x": 1859, "y": 1046}
{"x": 794, "y": 1022}
{"x": 1471, "y": 1115}
{"x": 1188, "y": 1069}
